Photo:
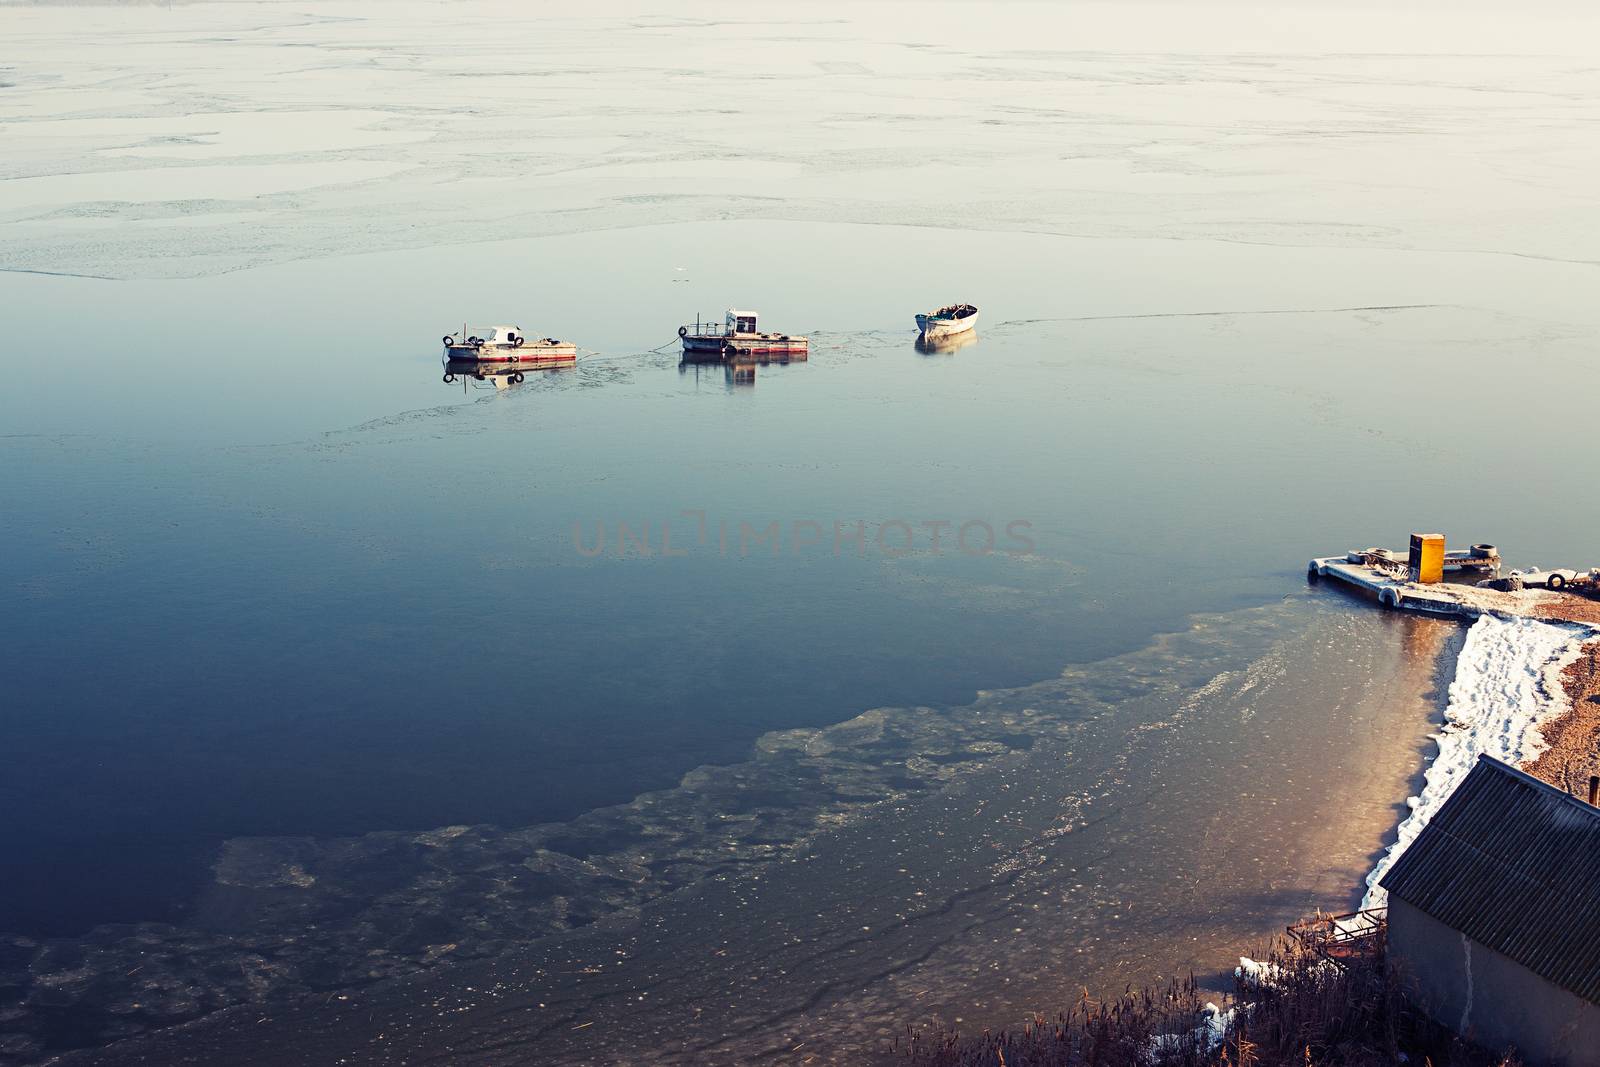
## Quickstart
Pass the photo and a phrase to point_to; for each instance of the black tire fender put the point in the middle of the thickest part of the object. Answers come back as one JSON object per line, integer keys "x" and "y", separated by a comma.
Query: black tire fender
{"x": 1555, "y": 581}
{"x": 449, "y": 339}
{"x": 683, "y": 331}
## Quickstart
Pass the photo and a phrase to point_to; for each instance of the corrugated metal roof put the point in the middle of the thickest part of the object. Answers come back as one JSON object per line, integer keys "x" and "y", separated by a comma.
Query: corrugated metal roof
{"x": 1514, "y": 864}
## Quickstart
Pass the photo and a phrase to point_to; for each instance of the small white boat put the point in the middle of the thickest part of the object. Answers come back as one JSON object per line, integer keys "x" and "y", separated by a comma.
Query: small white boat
{"x": 506, "y": 344}
{"x": 953, "y": 319}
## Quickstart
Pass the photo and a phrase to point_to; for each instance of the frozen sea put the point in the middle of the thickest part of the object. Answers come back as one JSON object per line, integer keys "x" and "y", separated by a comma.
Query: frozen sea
{"x": 324, "y": 724}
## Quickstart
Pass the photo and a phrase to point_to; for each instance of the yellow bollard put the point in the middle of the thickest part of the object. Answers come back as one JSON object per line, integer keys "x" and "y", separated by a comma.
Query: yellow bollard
{"x": 1427, "y": 558}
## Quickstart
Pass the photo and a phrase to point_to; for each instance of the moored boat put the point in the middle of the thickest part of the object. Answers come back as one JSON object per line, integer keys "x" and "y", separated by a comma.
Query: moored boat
{"x": 506, "y": 344}
{"x": 736, "y": 337}
{"x": 947, "y": 321}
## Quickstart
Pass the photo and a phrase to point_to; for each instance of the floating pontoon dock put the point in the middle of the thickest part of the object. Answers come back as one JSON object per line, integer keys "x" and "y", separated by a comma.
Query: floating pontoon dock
{"x": 1394, "y": 577}
{"x": 1416, "y": 582}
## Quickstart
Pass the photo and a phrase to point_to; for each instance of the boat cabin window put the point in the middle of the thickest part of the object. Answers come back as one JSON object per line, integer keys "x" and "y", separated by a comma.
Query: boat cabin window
{"x": 745, "y": 324}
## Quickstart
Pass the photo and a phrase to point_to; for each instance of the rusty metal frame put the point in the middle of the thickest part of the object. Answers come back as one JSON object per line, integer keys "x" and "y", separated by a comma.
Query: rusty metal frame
{"x": 1338, "y": 938}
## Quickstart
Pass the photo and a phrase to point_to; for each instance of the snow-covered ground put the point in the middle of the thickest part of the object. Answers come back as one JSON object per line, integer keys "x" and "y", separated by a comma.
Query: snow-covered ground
{"x": 1507, "y": 686}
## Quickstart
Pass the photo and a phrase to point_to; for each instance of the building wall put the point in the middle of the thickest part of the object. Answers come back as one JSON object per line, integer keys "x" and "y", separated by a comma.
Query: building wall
{"x": 1487, "y": 997}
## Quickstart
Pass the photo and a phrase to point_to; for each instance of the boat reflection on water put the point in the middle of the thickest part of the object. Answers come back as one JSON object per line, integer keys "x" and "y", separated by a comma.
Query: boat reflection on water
{"x": 944, "y": 346}
{"x": 733, "y": 374}
{"x": 495, "y": 375}
{"x": 737, "y": 370}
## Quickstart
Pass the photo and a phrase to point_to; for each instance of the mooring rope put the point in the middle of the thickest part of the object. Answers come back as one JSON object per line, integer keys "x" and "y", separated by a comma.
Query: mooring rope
{"x": 591, "y": 355}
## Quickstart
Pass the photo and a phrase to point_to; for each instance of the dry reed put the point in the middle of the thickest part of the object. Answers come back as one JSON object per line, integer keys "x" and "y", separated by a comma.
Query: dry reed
{"x": 1313, "y": 1014}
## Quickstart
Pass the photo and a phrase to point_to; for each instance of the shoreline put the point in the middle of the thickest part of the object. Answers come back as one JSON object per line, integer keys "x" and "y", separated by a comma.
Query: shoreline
{"x": 1508, "y": 699}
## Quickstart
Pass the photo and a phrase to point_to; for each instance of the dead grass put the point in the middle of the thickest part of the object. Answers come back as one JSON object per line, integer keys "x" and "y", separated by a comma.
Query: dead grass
{"x": 1108, "y": 1033}
{"x": 1312, "y": 1014}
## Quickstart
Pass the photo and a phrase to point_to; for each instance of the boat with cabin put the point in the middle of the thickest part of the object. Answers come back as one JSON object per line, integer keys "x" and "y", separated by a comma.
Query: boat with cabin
{"x": 948, "y": 321}
{"x": 506, "y": 344}
{"x": 737, "y": 337}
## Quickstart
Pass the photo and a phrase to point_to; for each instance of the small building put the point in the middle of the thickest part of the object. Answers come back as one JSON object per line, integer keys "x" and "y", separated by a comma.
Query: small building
{"x": 1494, "y": 917}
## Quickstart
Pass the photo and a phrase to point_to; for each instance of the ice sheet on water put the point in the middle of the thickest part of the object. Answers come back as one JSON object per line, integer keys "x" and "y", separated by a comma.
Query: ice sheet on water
{"x": 223, "y": 184}
{"x": 498, "y": 122}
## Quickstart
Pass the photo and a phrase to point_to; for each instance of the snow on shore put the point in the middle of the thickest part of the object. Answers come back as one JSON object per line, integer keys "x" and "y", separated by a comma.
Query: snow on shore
{"x": 1507, "y": 686}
